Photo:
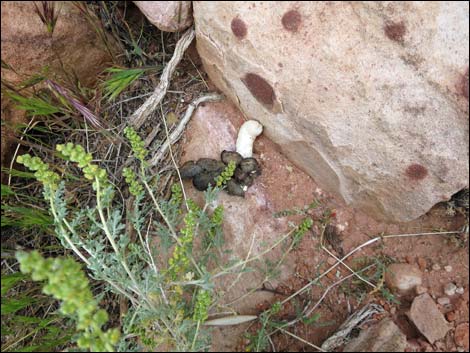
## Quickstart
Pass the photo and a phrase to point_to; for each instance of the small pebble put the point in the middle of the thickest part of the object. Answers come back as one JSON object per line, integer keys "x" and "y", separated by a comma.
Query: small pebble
{"x": 420, "y": 290}
{"x": 422, "y": 263}
{"x": 443, "y": 301}
{"x": 409, "y": 259}
{"x": 450, "y": 289}
{"x": 393, "y": 310}
{"x": 331, "y": 261}
{"x": 436, "y": 267}
{"x": 460, "y": 290}
{"x": 448, "y": 268}
{"x": 451, "y": 316}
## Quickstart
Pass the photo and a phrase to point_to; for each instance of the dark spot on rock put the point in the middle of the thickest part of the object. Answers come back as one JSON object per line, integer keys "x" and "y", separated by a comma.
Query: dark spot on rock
{"x": 309, "y": 81}
{"x": 416, "y": 171}
{"x": 280, "y": 65}
{"x": 463, "y": 85}
{"x": 291, "y": 20}
{"x": 239, "y": 28}
{"x": 395, "y": 31}
{"x": 260, "y": 89}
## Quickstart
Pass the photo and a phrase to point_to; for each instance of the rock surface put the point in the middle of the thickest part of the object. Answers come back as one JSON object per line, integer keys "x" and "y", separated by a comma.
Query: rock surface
{"x": 168, "y": 16}
{"x": 249, "y": 220}
{"x": 461, "y": 336}
{"x": 403, "y": 278}
{"x": 428, "y": 319}
{"x": 377, "y": 113}
{"x": 28, "y": 48}
{"x": 384, "y": 336}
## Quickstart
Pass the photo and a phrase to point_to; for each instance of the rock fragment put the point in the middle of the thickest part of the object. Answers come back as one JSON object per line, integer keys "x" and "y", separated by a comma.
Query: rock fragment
{"x": 427, "y": 318}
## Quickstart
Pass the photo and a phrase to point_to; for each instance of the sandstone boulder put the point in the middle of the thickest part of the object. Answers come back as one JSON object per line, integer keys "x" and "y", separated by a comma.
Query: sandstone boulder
{"x": 168, "y": 16}
{"x": 369, "y": 98}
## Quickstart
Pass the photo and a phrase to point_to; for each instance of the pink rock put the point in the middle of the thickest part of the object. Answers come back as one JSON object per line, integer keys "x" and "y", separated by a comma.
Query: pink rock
{"x": 212, "y": 129}
{"x": 168, "y": 16}
{"x": 427, "y": 318}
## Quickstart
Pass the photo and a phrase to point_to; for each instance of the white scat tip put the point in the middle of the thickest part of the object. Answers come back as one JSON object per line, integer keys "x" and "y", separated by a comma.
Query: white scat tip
{"x": 246, "y": 136}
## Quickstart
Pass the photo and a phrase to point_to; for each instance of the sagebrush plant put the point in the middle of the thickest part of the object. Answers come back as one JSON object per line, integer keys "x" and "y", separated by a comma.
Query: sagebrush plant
{"x": 169, "y": 283}
{"x": 67, "y": 282}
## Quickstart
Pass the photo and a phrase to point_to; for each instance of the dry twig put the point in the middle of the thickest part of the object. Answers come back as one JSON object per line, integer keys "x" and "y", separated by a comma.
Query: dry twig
{"x": 149, "y": 106}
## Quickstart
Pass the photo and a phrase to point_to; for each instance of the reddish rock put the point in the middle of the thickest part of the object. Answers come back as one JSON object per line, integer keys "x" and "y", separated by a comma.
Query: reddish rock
{"x": 427, "y": 318}
{"x": 461, "y": 336}
{"x": 28, "y": 48}
{"x": 422, "y": 263}
{"x": 212, "y": 129}
{"x": 403, "y": 278}
{"x": 451, "y": 316}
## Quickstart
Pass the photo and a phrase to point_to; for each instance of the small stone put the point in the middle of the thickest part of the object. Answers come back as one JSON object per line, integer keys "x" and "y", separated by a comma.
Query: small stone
{"x": 436, "y": 267}
{"x": 422, "y": 263}
{"x": 331, "y": 275}
{"x": 460, "y": 290}
{"x": 443, "y": 301}
{"x": 384, "y": 336}
{"x": 427, "y": 318}
{"x": 393, "y": 310}
{"x": 450, "y": 289}
{"x": 402, "y": 278}
{"x": 451, "y": 316}
{"x": 448, "y": 268}
{"x": 420, "y": 290}
{"x": 409, "y": 259}
{"x": 331, "y": 261}
{"x": 461, "y": 336}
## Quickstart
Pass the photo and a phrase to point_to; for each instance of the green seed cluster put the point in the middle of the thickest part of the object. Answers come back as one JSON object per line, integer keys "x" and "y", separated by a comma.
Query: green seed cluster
{"x": 176, "y": 195}
{"x": 218, "y": 216}
{"x": 137, "y": 144}
{"x": 43, "y": 174}
{"x": 179, "y": 262}
{"x": 77, "y": 154}
{"x": 67, "y": 282}
{"x": 203, "y": 302}
{"x": 135, "y": 188}
{"x": 305, "y": 225}
{"x": 226, "y": 174}
{"x": 302, "y": 229}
